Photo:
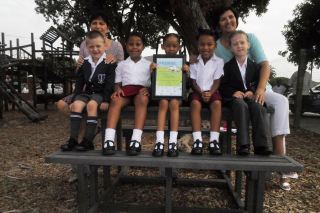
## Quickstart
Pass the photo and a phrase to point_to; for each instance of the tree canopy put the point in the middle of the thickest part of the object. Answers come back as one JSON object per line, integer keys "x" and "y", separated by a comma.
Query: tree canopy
{"x": 152, "y": 17}
{"x": 303, "y": 32}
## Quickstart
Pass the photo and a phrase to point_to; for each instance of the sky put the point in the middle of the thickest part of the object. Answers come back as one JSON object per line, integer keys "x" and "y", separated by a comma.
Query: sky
{"x": 18, "y": 19}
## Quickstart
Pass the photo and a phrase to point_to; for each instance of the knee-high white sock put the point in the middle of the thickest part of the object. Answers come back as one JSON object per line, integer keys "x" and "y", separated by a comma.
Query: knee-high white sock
{"x": 136, "y": 135}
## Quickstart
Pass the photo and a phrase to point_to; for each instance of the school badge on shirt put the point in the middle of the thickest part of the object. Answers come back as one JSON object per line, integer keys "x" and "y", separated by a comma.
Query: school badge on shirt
{"x": 101, "y": 78}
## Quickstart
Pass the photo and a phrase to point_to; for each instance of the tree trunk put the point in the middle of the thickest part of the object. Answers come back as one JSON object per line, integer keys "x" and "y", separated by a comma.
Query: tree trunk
{"x": 190, "y": 18}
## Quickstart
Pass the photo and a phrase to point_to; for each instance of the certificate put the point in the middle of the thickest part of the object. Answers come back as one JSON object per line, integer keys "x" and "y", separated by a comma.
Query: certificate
{"x": 168, "y": 81}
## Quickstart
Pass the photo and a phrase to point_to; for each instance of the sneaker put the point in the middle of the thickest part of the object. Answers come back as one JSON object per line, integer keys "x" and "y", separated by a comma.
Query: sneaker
{"x": 134, "y": 148}
{"x": 197, "y": 148}
{"x": 214, "y": 148}
{"x": 69, "y": 146}
{"x": 173, "y": 150}
{"x": 85, "y": 145}
{"x": 108, "y": 147}
{"x": 158, "y": 150}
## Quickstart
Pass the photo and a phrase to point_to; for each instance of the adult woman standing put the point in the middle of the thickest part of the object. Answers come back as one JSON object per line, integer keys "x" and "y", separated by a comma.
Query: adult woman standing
{"x": 114, "y": 52}
{"x": 227, "y": 23}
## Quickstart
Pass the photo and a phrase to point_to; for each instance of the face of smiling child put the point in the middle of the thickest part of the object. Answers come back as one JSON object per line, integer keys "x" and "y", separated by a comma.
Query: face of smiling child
{"x": 206, "y": 46}
{"x": 239, "y": 45}
{"x": 135, "y": 47}
{"x": 96, "y": 47}
{"x": 171, "y": 45}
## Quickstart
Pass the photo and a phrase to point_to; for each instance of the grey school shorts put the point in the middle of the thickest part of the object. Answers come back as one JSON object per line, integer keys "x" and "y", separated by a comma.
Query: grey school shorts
{"x": 88, "y": 97}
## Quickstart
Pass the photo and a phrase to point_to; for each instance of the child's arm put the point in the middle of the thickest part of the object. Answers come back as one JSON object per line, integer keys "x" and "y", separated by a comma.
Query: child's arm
{"x": 207, "y": 94}
{"x": 195, "y": 86}
{"x": 186, "y": 68}
{"x": 109, "y": 82}
{"x": 118, "y": 91}
{"x": 153, "y": 67}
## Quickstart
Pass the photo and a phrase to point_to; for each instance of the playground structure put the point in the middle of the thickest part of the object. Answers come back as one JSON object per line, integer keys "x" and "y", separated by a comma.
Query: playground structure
{"x": 31, "y": 71}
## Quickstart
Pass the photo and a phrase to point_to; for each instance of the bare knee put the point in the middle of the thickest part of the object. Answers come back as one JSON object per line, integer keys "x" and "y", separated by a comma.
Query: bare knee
{"x": 196, "y": 105}
{"x": 92, "y": 107}
{"x": 174, "y": 105}
{"x": 77, "y": 106}
{"x": 62, "y": 105}
{"x": 104, "y": 106}
{"x": 216, "y": 105}
{"x": 141, "y": 100}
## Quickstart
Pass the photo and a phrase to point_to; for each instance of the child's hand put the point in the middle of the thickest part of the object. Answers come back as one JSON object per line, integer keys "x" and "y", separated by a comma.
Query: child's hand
{"x": 110, "y": 59}
{"x": 79, "y": 62}
{"x": 153, "y": 67}
{"x": 185, "y": 68}
{"x": 117, "y": 93}
{"x": 144, "y": 91}
{"x": 206, "y": 95}
{"x": 238, "y": 94}
{"x": 249, "y": 94}
{"x": 193, "y": 59}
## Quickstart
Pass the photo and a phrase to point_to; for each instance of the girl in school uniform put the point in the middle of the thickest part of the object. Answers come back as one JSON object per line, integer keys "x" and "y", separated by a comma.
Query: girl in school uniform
{"x": 132, "y": 82}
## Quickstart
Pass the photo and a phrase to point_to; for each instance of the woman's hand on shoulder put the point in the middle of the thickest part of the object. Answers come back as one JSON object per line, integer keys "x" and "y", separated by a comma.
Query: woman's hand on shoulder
{"x": 110, "y": 59}
{"x": 79, "y": 62}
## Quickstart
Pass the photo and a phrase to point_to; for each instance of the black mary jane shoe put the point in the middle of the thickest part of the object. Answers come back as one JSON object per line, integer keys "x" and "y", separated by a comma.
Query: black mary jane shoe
{"x": 134, "y": 148}
{"x": 158, "y": 150}
{"x": 173, "y": 150}
{"x": 70, "y": 145}
{"x": 85, "y": 145}
{"x": 197, "y": 148}
{"x": 214, "y": 148}
{"x": 243, "y": 150}
{"x": 108, "y": 147}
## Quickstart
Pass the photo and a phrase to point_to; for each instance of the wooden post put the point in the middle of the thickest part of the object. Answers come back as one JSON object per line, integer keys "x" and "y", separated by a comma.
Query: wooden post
{"x": 11, "y": 52}
{"x": 3, "y": 42}
{"x": 33, "y": 70}
{"x": 298, "y": 102}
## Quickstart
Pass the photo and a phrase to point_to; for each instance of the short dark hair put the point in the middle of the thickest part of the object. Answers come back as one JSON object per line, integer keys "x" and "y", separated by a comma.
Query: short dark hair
{"x": 171, "y": 35}
{"x": 220, "y": 12}
{"x": 208, "y": 32}
{"x": 99, "y": 15}
{"x": 238, "y": 32}
{"x": 94, "y": 34}
{"x": 137, "y": 34}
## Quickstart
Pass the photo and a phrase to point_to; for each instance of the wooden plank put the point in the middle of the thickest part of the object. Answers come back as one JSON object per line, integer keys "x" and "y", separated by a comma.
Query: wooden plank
{"x": 168, "y": 193}
{"x": 206, "y": 162}
{"x": 82, "y": 187}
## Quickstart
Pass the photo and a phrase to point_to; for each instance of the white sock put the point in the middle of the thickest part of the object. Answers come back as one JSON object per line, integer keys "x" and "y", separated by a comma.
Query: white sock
{"x": 214, "y": 136}
{"x": 160, "y": 137}
{"x": 173, "y": 137}
{"x": 197, "y": 136}
{"x": 136, "y": 135}
{"x": 109, "y": 134}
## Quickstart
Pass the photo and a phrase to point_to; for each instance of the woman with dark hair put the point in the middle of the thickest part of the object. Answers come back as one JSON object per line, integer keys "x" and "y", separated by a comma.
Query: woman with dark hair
{"x": 227, "y": 23}
{"x": 114, "y": 52}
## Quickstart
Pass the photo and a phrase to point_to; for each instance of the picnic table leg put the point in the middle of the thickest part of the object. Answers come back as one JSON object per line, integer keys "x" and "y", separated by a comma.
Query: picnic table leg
{"x": 255, "y": 192}
{"x": 82, "y": 189}
{"x": 93, "y": 188}
{"x": 168, "y": 194}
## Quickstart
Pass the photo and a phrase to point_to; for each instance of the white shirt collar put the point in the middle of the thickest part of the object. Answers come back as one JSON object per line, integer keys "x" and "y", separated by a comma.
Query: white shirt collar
{"x": 244, "y": 65}
{"x": 90, "y": 60}
{"x": 213, "y": 58}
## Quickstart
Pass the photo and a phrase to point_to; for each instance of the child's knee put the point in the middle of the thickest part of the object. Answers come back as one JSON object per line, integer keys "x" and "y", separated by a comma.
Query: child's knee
{"x": 77, "y": 106}
{"x": 104, "y": 106}
{"x": 61, "y": 105}
{"x": 195, "y": 104}
{"x": 142, "y": 100}
{"x": 216, "y": 105}
{"x": 174, "y": 105}
{"x": 92, "y": 106}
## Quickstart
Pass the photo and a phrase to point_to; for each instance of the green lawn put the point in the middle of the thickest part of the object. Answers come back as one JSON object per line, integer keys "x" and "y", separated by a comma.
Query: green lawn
{"x": 166, "y": 77}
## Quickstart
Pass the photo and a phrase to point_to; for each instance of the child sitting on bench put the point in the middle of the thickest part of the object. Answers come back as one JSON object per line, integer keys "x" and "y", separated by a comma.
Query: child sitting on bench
{"x": 171, "y": 46}
{"x": 205, "y": 80}
{"x": 98, "y": 79}
{"x": 240, "y": 81}
{"x": 132, "y": 83}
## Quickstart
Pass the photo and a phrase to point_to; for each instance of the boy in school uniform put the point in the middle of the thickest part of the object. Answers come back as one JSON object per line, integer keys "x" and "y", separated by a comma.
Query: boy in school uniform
{"x": 240, "y": 81}
{"x": 205, "y": 77}
{"x": 97, "y": 78}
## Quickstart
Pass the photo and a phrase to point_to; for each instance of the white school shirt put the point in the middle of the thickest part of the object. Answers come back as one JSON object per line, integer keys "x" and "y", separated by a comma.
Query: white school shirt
{"x": 243, "y": 69}
{"x": 93, "y": 65}
{"x": 205, "y": 74}
{"x": 129, "y": 72}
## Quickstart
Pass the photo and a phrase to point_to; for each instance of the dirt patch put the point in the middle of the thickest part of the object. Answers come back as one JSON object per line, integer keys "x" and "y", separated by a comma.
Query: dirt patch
{"x": 28, "y": 184}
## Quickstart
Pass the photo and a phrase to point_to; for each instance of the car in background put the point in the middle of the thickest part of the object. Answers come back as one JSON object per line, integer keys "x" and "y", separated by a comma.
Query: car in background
{"x": 310, "y": 102}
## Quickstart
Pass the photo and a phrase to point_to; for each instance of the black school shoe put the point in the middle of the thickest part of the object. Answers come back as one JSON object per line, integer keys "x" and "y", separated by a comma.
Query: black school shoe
{"x": 173, "y": 150}
{"x": 244, "y": 150}
{"x": 214, "y": 148}
{"x": 158, "y": 150}
{"x": 108, "y": 148}
{"x": 69, "y": 146}
{"x": 85, "y": 145}
{"x": 262, "y": 150}
{"x": 134, "y": 148}
{"x": 197, "y": 148}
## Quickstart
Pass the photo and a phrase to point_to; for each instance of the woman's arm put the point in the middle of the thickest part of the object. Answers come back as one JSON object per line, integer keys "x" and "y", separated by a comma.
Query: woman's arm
{"x": 264, "y": 77}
